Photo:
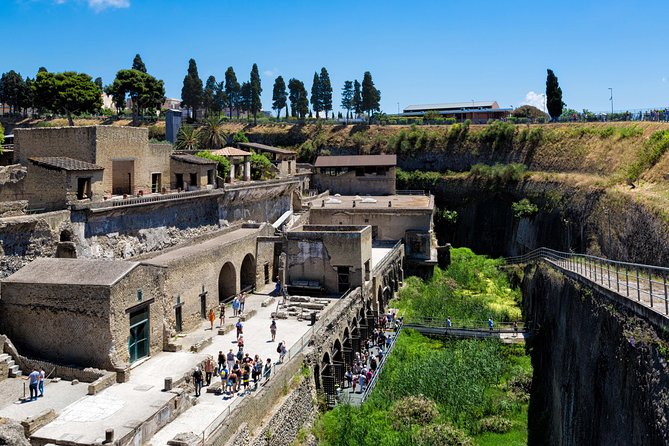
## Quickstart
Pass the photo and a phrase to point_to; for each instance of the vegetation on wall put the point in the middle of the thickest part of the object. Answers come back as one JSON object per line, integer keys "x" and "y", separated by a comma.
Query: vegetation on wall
{"x": 223, "y": 167}
{"x": 524, "y": 208}
{"x": 649, "y": 154}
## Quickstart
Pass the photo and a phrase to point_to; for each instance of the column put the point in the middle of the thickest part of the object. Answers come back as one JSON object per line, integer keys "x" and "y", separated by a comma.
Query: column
{"x": 247, "y": 168}
{"x": 232, "y": 170}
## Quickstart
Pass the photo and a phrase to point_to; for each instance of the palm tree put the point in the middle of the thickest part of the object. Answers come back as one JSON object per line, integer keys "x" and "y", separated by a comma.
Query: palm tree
{"x": 212, "y": 133}
{"x": 187, "y": 139}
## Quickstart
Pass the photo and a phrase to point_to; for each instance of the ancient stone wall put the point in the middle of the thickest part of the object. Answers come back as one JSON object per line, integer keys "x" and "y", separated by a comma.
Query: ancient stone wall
{"x": 12, "y": 182}
{"x": 351, "y": 184}
{"x": 72, "y": 142}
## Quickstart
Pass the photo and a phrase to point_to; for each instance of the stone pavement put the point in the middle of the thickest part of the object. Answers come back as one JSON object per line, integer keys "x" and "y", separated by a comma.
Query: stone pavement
{"x": 124, "y": 407}
{"x": 57, "y": 396}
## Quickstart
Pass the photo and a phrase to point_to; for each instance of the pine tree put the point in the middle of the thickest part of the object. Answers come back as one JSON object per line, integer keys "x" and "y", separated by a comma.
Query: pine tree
{"x": 357, "y": 98}
{"x": 279, "y": 96}
{"x": 554, "y": 102}
{"x": 299, "y": 102}
{"x": 220, "y": 98}
{"x": 232, "y": 90}
{"x": 347, "y": 98}
{"x": 325, "y": 91}
{"x": 256, "y": 90}
{"x": 138, "y": 64}
{"x": 191, "y": 93}
{"x": 316, "y": 100}
{"x": 371, "y": 97}
{"x": 245, "y": 97}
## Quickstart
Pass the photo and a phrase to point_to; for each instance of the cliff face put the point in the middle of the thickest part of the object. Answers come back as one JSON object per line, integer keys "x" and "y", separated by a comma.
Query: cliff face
{"x": 600, "y": 373}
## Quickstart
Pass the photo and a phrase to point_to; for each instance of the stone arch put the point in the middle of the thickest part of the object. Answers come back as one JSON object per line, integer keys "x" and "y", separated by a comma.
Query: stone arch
{"x": 247, "y": 273}
{"x": 379, "y": 300}
{"x": 227, "y": 282}
{"x": 338, "y": 362}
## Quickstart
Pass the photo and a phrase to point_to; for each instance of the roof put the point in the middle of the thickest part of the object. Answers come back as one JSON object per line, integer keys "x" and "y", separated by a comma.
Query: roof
{"x": 72, "y": 272}
{"x": 231, "y": 151}
{"x": 64, "y": 163}
{"x": 356, "y": 161}
{"x": 451, "y": 106}
{"x": 265, "y": 148}
{"x": 192, "y": 159}
{"x": 377, "y": 203}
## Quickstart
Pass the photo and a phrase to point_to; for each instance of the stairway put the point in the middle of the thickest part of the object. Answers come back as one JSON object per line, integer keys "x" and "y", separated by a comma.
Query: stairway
{"x": 14, "y": 370}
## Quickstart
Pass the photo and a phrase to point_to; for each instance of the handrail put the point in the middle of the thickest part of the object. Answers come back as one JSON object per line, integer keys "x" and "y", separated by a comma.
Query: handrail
{"x": 379, "y": 369}
{"x": 388, "y": 257}
{"x": 646, "y": 284}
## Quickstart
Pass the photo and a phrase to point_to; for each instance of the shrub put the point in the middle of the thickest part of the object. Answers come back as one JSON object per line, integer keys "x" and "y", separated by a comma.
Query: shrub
{"x": 240, "y": 136}
{"x": 498, "y": 135}
{"x": 306, "y": 152}
{"x": 650, "y": 154}
{"x": 223, "y": 167}
{"x": 414, "y": 410}
{"x": 261, "y": 167}
{"x": 495, "y": 423}
{"x": 442, "y": 435}
{"x": 157, "y": 132}
{"x": 499, "y": 172}
{"x": 524, "y": 208}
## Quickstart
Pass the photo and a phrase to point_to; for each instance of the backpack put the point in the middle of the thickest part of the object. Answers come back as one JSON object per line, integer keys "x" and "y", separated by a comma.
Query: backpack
{"x": 278, "y": 349}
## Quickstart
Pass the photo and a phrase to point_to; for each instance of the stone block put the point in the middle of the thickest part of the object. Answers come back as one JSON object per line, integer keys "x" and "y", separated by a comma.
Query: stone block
{"x": 31, "y": 424}
{"x": 280, "y": 315}
{"x": 168, "y": 384}
{"x": 227, "y": 328}
{"x": 247, "y": 315}
{"x": 214, "y": 388}
{"x": 299, "y": 299}
{"x": 4, "y": 370}
{"x": 199, "y": 346}
{"x": 185, "y": 439}
{"x": 102, "y": 383}
{"x": 267, "y": 302}
{"x": 75, "y": 382}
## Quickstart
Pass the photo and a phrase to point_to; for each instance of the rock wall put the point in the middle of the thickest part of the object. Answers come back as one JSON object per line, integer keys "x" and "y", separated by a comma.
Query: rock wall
{"x": 600, "y": 372}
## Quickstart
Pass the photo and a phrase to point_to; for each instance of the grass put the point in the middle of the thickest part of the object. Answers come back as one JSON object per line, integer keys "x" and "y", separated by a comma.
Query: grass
{"x": 468, "y": 380}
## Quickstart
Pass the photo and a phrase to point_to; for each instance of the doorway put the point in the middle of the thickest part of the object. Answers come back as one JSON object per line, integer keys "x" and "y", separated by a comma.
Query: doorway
{"x": 83, "y": 188}
{"x": 179, "y": 184}
{"x": 138, "y": 341}
{"x": 155, "y": 183}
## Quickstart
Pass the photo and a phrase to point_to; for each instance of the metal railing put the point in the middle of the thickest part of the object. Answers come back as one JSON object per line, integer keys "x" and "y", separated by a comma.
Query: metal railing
{"x": 390, "y": 257}
{"x": 291, "y": 353}
{"x": 456, "y": 324}
{"x": 412, "y": 192}
{"x": 379, "y": 369}
{"x": 646, "y": 284}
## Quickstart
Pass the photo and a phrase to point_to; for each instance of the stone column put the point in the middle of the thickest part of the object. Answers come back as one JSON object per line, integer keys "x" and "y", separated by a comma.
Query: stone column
{"x": 247, "y": 168}
{"x": 232, "y": 170}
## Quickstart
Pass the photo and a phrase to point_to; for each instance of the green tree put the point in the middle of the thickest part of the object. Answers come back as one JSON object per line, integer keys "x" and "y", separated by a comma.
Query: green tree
{"x": 191, "y": 92}
{"x": 240, "y": 136}
{"x": 554, "y": 102}
{"x": 232, "y": 91}
{"x": 299, "y": 103}
{"x": 245, "y": 97}
{"x": 261, "y": 167}
{"x": 356, "y": 102}
{"x": 12, "y": 90}
{"x": 212, "y": 133}
{"x": 98, "y": 82}
{"x": 256, "y": 90}
{"x": 187, "y": 138}
{"x": 279, "y": 95}
{"x": 146, "y": 93}
{"x": 371, "y": 97}
{"x": 138, "y": 64}
{"x": 223, "y": 167}
{"x": 209, "y": 95}
{"x": 220, "y": 99}
{"x": 68, "y": 92}
{"x": 325, "y": 91}
{"x": 347, "y": 98}
{"x": 316, "y": 101}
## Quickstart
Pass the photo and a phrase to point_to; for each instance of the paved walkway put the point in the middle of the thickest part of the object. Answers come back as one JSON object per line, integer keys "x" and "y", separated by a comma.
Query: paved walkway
{"x": 124, "y": 406}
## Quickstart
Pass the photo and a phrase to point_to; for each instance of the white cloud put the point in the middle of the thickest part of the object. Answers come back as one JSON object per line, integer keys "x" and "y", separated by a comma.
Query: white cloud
{"x": 99, "y": 5}
{"x": 664, "y": 79}
{"x": 270, "y": 73}
{"x": 535, "y": 99}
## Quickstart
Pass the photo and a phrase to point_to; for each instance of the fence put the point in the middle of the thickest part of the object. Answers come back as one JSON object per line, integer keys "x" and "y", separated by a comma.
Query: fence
{"x": 375, "y": 377}
{"x": 646, "y": 284}
{"x": 413, "y": 192}
{"x": 438, "y": 322}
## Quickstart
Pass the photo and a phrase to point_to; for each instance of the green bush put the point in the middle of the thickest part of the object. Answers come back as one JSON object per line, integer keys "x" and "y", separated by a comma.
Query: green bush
{"x": 502, "y": 173}
{"x": 498, "y": 135}
{"x": 240, "y": 136}
{"x": 261, "y": 167}
{"x": 416, "y": 179}
{"x": 524, "y": 208}
{"x": 649, "y": 154}
{"x": 306, "y": 152}
{"x": 442, "y": 435}
{"x": 413, "y": 410}
{"x": 157, "y": 132}
{"x": 495, "y": 423}
{"x": 223, "y": 167}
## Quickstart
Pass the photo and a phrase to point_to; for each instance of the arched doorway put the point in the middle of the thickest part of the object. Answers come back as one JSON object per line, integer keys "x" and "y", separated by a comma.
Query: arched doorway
{"x": 338, "y": 362}
{"x": 379, "y": 302}
{"x": 348, "y": 349}
{"x": 248, "y": 273}
{"x": 328, "y": 380}
{"x": 227, "y": 282}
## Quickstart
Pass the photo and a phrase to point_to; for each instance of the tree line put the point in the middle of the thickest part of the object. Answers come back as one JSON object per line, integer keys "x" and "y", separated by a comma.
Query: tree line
{"x": 71, "y": 93}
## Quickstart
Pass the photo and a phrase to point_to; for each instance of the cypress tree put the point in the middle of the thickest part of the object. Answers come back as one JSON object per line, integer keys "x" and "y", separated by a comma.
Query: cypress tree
{"x": 357, "y": 98}
{"x": 138, "y": 64}
{"x": 191, "y": 92}
{"x": 554, "y": 102}
{"x": 316, "y": 100}
{"x": 347, "y": 98}
{"x": 325, "y": 91}
{"x": 256, "y": 89}
{"x": 279, "y": 96}
{"x": 232, "y": 90}
{"x": 371, "y": 97}
{"x": 209, "y": 95}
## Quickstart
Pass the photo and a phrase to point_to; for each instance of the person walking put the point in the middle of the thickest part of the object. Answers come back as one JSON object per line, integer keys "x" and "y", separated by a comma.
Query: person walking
{"x": 231, "y": 359}
{"x": 212, "y": 318}
{"x": 490, "y": 323}
{"x": 282, "y": 353}
{"x": 267, "y": 371}
{"x": 208, "y": 370}
{"x": 272, "y": 329}
{"x": 197, "y": 381}
{"x": 449, "y": 324}
{"x": 235, "y": 306}
{"x": 240, "y": 328}
{"x": 33, "y": 379}
{"x": 40, "y": 385}
{"x": 242, "y": 301}
{"x": 221, "y": 315}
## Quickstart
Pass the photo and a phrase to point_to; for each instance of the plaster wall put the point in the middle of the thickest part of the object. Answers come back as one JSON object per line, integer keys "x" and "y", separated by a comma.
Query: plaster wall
{"x": 391, "y": 224}
{"x": 351, "y": 184}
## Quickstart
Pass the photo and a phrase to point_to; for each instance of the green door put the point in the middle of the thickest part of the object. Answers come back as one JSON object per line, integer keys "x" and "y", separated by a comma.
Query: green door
{"x": 138, "y": 341}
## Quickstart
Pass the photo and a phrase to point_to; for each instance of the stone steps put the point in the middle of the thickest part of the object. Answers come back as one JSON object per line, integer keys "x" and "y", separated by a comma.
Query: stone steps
{"x": 14, "y": 370}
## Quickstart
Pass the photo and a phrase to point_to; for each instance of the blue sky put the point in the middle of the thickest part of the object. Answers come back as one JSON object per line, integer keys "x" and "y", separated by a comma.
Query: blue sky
{"x": 418, "y": 52}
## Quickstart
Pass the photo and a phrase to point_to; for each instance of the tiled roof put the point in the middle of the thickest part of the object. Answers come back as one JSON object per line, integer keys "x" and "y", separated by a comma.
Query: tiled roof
{"x": 450, "y": 106}
{"x": 265, "y": 148}
{"x": 192, "y": 159}
{"x": 72, "y": 271}
{"x": 356, "y": 161}
{"x": 231, "y": 151}
{"x": 64, "y": 163}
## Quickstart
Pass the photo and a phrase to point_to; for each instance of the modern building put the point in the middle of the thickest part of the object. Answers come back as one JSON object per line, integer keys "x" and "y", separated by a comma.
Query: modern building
{"x": 356, "y": 174}
{"x": 479, "y": 112}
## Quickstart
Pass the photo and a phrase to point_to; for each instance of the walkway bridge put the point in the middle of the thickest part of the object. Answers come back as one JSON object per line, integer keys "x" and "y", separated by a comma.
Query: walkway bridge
{"x": 432, "y": 326}
{"x": 640, "y": 288}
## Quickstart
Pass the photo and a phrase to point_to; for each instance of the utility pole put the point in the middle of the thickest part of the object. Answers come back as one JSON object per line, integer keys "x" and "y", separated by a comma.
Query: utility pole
{"x": 611, "y": 99}
{"x": 398, "y": 109}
